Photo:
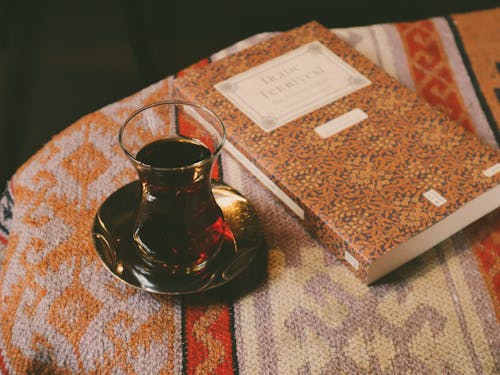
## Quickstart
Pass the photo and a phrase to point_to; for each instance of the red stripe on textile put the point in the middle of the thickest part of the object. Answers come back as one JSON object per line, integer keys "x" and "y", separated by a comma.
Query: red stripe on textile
{"x": 487, "y": 251}
{"x": 3, "y": 240}
{"x": 199, "y": 64}
{"x": 185, "y": 125}
{"x": 429, "y": 65}
{"x": 208, "y": 340}
{"x": 207, "y": 331}
{"x": 3, "y": 368}
{"x": 217, "y": 171}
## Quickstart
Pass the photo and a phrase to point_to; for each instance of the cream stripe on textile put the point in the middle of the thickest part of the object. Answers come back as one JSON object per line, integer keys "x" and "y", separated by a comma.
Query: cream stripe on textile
{"x": 480, "y": 306}
{"x": 371, "y": 41}
{"x": 398, "y": 56}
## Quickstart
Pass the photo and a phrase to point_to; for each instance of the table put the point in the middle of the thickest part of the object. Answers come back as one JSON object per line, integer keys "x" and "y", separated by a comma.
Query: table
{"x": 299, "y": 310}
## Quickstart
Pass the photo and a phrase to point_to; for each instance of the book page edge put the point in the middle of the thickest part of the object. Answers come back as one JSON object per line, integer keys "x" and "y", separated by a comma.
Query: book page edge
{"x": 445, "y": 228}
{"x": 266, "y": 181}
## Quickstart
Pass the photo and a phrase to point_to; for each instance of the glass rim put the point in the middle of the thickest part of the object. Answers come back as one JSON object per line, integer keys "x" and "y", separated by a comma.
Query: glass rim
{"x": 213, "y": 155}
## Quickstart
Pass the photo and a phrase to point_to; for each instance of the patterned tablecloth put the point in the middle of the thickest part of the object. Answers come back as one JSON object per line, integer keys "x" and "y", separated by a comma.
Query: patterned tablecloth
{"x": 299, "y": 310}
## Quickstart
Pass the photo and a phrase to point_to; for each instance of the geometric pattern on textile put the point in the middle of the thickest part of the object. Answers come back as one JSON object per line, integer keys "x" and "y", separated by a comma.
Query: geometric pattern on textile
{"x": 430, "y": 68}
{"x": 62, "y": 312}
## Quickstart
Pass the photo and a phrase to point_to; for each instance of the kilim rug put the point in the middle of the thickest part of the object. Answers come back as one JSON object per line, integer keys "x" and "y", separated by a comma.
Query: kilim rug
{"x": 299, "y": 310}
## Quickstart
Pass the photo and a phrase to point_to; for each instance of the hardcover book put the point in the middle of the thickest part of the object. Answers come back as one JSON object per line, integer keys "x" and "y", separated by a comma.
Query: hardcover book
{"x": 376, "y": 174}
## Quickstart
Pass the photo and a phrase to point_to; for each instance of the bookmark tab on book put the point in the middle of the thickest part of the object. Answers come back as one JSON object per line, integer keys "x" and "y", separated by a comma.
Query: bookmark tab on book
{"x": 351, "y": 260}
{"x": 490, "y": 172}
{"x": 435, "y": 198}
{"x": 341, "y": 123}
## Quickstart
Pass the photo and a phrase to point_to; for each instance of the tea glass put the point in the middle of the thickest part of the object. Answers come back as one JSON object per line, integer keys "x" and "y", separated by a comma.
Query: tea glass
{"x": 173, "y": 146}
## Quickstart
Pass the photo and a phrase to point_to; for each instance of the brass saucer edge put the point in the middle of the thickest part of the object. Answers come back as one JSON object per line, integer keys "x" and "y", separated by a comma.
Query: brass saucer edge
{"x": 111, "y": 233}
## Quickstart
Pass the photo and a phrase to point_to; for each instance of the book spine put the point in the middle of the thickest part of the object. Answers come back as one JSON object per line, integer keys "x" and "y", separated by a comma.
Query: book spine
{"x": 337, "y": 245}
{"x": 313, "y": 224}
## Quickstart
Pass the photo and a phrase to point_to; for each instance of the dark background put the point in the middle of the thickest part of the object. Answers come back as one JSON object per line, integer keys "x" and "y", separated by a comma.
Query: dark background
{"x": 62, "y": 59}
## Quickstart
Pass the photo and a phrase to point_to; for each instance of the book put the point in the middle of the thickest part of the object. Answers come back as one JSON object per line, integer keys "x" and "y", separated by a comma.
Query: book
{"x": 376, "y": 174}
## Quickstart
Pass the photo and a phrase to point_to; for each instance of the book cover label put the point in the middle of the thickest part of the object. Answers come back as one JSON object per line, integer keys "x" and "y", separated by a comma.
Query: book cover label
{"x": 340, "y": 123}
{"x": 435, "y": 198}
{"x": 490, "y": 172}
{"x": 292, "y": 85}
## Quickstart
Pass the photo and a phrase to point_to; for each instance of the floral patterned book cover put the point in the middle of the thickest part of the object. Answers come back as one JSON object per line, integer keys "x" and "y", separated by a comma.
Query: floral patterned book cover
{"x": 377, "y": 174}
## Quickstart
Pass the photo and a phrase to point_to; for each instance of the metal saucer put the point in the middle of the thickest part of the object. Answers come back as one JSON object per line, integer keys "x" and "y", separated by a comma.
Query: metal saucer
{"x": 112, "y": 235}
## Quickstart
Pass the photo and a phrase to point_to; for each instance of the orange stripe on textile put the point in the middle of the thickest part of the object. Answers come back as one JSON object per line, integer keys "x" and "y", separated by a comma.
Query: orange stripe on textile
{"x": 208, "y": 339}
{"x": 480, "y": 33}
{"x": 431, "y": 72}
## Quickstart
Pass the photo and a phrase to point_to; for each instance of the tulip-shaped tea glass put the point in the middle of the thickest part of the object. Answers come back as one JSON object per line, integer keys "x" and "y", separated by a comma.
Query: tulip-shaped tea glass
{"x": 173, "y": 146}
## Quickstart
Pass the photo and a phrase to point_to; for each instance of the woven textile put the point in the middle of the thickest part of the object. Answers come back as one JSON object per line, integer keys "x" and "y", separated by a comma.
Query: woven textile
{"x": 62, "y": 311}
